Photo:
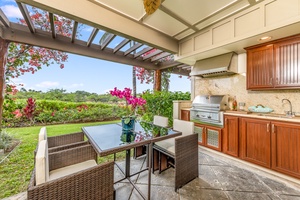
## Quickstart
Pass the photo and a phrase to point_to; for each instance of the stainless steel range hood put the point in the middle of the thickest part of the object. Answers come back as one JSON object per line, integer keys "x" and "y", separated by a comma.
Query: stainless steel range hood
{"x": 225, "y": 64}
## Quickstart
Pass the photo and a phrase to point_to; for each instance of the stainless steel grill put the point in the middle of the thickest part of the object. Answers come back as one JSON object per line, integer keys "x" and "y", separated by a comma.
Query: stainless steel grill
{"x": 209, "y": 109}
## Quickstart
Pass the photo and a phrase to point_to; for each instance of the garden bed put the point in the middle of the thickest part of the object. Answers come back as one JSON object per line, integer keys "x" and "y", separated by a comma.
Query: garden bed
{"x": 3, "y": 155}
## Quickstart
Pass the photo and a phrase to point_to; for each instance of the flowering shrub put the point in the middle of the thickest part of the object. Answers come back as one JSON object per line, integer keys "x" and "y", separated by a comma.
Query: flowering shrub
{"x": 133, "y": 102}
{"x": 29, "y": 109}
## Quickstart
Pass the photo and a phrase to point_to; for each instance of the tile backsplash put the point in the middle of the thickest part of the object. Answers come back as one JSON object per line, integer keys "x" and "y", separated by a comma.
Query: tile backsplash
{"x": 236, "y": 86}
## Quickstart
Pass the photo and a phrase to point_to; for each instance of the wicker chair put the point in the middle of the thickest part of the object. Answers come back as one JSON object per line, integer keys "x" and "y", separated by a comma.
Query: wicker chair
{"x": 62, "y": 142}
{"x": 180, "y": 152}
{"x": 70, "y": 174}
{"x": 157, "y": 120}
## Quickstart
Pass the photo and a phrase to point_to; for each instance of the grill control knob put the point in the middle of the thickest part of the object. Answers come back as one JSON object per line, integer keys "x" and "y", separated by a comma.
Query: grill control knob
{"x": 197, "y": 115}
{"x": 209, "y": 117}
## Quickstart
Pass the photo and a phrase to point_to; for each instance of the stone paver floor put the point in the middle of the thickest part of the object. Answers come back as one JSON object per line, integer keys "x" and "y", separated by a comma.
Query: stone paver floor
{"x": 219, "y": 178}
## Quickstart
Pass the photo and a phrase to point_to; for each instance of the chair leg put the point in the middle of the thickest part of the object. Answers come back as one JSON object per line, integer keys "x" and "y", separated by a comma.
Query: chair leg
{"x": 155, "y": 161}
{"x": 163, "y": 162}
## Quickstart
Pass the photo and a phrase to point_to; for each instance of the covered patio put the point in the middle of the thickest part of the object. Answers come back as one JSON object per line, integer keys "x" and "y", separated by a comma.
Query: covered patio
{"x": 220, "y": 176}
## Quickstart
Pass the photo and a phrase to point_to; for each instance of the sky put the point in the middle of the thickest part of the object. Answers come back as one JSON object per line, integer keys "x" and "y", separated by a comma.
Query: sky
{"x": 84, "y": 73}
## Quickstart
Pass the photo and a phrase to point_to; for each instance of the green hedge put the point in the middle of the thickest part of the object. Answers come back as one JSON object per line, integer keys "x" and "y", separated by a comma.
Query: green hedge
{"x": 51, "y": 112}
{"x": 161, "y": 103}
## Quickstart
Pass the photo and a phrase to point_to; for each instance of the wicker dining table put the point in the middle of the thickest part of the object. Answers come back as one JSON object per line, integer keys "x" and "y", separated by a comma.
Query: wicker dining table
{"x": 110, "y": 139}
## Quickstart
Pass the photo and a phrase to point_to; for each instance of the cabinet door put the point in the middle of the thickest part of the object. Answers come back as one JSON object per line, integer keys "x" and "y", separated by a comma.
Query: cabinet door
{"x": 287, "y": 63}
{"x": 260, "y": 67}
{"x": 286, "y": 148}
{"x": 185, "y": 115}
{"x": 231, "y": 136}
{"x": 199, "y": 129}
{"x": 213, "y": 137}
{"x": 256, "y": 141}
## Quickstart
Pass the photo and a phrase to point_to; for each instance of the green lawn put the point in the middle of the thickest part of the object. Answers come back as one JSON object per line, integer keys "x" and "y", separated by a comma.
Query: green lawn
{"x": 15, "y": 172}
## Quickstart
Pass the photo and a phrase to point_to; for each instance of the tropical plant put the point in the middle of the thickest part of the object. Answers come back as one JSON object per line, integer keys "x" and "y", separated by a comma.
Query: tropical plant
{"x": 131, "y": 102}
{"x": 5, "y": 140}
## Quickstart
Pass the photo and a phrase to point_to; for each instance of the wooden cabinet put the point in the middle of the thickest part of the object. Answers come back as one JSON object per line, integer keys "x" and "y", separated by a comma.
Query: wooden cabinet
{"x": 287, "y": 63}
{"x": 274, "y": 65}
{"x": 286, "y": 148}
{"x": 185, "y": 115}
{"x": 260, "y": 67}
{"x": 209, "y": 136}
{"x": 230, "y": 139}
{"x": 256, "y": 141}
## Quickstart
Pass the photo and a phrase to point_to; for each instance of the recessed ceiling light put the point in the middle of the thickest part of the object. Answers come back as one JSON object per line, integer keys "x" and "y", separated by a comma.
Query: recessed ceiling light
{"x": 264, "y": 38}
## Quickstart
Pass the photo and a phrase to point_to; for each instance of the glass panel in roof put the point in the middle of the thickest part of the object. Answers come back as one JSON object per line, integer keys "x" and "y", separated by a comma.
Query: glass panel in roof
{"x": 98, "y": 37}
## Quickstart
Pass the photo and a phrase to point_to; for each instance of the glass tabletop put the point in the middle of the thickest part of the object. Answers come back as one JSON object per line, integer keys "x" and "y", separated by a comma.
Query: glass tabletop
{"x": 111, "y": 138}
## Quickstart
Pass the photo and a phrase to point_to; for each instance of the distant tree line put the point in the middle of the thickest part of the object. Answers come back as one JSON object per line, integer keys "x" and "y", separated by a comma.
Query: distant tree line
{"x": 62, "y": 95}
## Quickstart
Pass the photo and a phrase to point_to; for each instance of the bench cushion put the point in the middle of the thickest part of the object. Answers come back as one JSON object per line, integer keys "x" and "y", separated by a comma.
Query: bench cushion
{"x": 43, "y": 134}
{"x": 42, "y": 163}
{"x": 64, "y": 171}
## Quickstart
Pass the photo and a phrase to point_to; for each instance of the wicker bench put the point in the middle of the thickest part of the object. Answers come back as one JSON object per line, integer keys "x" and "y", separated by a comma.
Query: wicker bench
{"x": 180, "y": 152}
{"x": 70, "y": 174}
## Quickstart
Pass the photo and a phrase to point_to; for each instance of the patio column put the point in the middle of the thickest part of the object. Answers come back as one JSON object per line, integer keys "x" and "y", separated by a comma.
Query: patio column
{"x": 157, "y": 79}
{"x": 3, "y": 54}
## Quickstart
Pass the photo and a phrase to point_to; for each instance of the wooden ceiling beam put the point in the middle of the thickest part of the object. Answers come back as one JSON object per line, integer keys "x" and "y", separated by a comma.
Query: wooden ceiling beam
{"x": 19, "y": 33}
{"x": 143, "y": 51}
{"x": 150, "y": 55}
{"x": 51, "y": 17}
{"x": 92, "y": 37}
{"x": 107, "y": 41}
{"x": 4, "y": 20}
{"x": 133, "y": 48}
{"x": 122, "y": 44}
{"x": 26, "y": 16}
{"x": 160, "y": 56}
{"x": 74, "y": 31}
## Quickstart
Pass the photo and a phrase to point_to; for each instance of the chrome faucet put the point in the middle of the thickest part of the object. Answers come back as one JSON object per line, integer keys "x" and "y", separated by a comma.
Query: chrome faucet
{"x": 289, "y": 113}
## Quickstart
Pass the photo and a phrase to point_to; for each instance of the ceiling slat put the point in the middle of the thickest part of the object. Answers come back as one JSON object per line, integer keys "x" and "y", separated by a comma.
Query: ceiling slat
{"x": 108, "y": 40}
{"x": 160, "y": 56}
{"x": 92, "y": 37}
{"x": 4, "y": 19}
{"x": 26, "y": 16}
{"x": 145, "y": 50}
{"x": 150, "y": 55}
{"x": 122, "y": 44}
{"x": 51, "y": 17}
{"x": 131, "y": 49}
{"x": 75, "y": 26}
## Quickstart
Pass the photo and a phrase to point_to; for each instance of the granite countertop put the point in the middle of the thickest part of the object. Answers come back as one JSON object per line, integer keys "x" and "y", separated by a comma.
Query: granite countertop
{"x": 267, "y": 116}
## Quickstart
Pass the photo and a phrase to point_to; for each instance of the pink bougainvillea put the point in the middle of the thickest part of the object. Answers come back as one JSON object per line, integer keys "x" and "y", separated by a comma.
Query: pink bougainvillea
{"x": 134, "y": 102}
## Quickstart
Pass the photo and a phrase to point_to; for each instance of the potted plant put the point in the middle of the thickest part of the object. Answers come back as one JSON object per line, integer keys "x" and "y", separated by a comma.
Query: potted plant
{"x": 132, "y": 104}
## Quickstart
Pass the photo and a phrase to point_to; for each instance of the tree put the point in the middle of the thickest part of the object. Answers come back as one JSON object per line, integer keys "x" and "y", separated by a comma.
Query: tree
{"x": 23, "y": 58}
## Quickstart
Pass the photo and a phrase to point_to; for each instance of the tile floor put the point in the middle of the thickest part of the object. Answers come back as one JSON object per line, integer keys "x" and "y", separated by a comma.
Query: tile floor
{"x": 220, "y": 177}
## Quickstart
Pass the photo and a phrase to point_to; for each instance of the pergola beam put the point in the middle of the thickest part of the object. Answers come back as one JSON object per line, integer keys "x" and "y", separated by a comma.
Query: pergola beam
{"x": 160, "y": 56}
{"x": 150, "y": 55}
{"x": 145, "y": 50}
{"x": 19, "y": 33}
{"x": 107, "y": 40}
{"x": 96, "y": 16}
{"x": 51, "y": 17}
{"x": 133, "y": 48}
{"x": 92, "y": 37}
{"x": 4, "y": 20}
{"x": 75, "y": 26}
{"x": 26, "y": 16}
{"x": 122, "y": 44}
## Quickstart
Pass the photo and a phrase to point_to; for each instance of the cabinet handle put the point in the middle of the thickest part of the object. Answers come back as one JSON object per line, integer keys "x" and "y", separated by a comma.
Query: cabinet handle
{"x": 276, "y": 81}
{"x": 273, "y": 128}
{"x": 268, "y": 128}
